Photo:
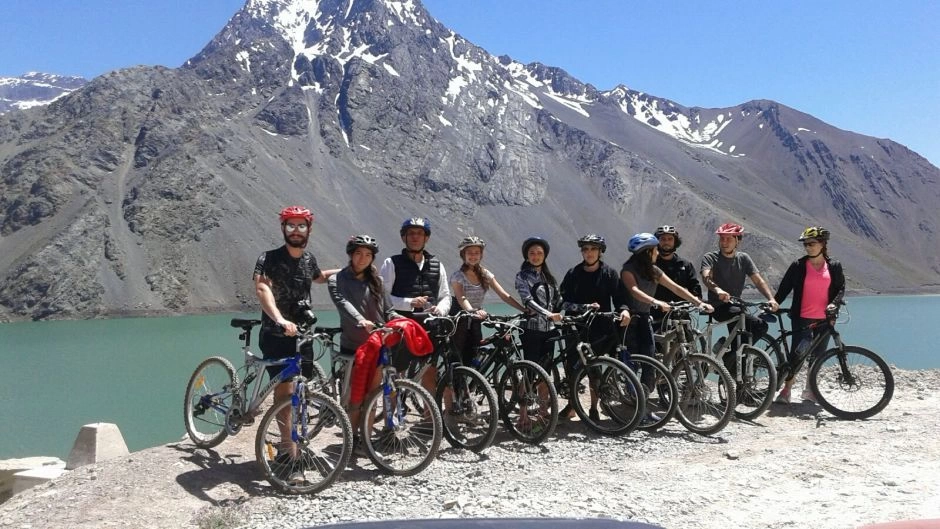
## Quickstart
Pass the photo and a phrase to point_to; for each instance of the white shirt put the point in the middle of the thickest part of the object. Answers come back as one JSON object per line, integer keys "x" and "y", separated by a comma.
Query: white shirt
{"x": 404, "y": 304}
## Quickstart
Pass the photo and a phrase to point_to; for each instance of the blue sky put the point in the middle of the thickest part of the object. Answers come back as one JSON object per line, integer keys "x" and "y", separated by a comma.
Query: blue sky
{"x": 871, "y": 67}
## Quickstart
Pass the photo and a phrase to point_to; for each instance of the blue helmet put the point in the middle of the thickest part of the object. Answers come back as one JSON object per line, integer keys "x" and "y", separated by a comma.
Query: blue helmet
{"x": 641, "y": 241}
{"x": 416, "y": 222}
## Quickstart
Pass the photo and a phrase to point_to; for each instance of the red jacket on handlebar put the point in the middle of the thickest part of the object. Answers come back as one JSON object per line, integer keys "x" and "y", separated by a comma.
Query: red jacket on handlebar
{"x": 416, "y": 340}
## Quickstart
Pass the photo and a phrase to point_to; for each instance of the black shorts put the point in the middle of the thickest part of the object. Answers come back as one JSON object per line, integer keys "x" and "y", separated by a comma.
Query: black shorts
{"x": 274, "y": 347}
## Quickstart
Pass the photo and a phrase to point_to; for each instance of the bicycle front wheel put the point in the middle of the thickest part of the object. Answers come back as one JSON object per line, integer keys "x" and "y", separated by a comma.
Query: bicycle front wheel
{"x": 758, "y": 383}
{"x": 616, "y": 398}
{"x": 401, "y": 431}
{"x": 303, "y": 448}
{"x": 851, "y": 382}
{"x": 528, "y": 403}
{"x": 209, "y": 395}
{"x": 661, "y": 391}
{"x": 471, "y": 417}
{"x": 706, "y": 394}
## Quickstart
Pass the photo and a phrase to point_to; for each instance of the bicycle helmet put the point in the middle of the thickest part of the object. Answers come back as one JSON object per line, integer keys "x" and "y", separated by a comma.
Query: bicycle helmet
{"x": 534, "y": 240}
{"x": 596, "y": 240}
{"x": 669, "y": 230}
{"x": 470, "y": 240}
{"x": 416, "y": 222}
{"x": 815, "y": 232}
{"x": 296, "y": 212}
{"x": 730, "y": 228}
{"x": 362, "y": 241}
{"x": 641, "y": 241}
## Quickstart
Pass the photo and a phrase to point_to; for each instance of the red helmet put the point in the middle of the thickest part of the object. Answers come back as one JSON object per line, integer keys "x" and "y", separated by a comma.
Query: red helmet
{"x": 296, "y": 212}
{"x": 730, "y": 228}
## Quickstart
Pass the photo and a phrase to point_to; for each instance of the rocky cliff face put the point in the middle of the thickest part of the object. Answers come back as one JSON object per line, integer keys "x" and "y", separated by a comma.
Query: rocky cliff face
{"x": 153, "y": 190}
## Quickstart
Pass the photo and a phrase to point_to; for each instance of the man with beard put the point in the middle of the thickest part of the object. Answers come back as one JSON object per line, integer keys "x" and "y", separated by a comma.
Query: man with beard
{"x": 681, "y": 271}
{"x": 283, "y": 278}
{"x": 592, "y": 284}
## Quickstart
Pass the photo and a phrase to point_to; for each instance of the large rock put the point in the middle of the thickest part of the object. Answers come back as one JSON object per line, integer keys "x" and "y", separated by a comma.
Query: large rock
{"x": 10, "y": 468}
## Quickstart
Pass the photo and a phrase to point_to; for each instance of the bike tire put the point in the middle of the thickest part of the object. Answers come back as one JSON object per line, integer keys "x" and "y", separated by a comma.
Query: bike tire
{"x": 525, "y": 385}
{"x": 661, "y": 396}
{"x": 208, "y": 399}
{"x": 705, "y": 403}
{"x": 322, "y": 438}
{"x": 390, "y": 437}
{"x": 852, "y": 382}
{"x": 473, "y": 418}
{"x": 758, "y": 384}
{"x": 620, "y": 396}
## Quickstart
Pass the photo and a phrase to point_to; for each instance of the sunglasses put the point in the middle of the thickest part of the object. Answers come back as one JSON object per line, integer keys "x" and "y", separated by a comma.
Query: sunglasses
{"x": 302, "y": 228}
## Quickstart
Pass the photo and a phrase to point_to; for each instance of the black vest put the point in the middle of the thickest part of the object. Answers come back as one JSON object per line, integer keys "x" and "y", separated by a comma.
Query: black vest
{"x": 411, "y": 282}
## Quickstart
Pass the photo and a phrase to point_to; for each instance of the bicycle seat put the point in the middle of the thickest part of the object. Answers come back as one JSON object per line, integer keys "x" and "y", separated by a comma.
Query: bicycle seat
{"x": 244, "y": 324}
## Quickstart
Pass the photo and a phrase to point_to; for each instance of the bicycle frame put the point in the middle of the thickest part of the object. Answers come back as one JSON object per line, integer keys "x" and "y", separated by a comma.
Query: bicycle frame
{"x": 784, "y": 367}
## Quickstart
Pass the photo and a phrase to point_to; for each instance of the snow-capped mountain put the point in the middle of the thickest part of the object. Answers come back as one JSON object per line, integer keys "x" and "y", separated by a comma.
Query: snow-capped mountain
{"x": 156, "y": 188}
{"x": 35, "y": 89}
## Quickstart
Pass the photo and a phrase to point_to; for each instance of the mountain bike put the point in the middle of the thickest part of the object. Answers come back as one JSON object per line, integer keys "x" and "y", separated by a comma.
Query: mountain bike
{"x": 400, "y": 424}
{"x": 606, "y": 395}
{"x": 465, "y": 398}
{"x": 848, "y": 381}
{"x": 528, "y": 404}
{"x": 706, "y": 398}
{"x": 753, "y": 370}
{"x": 302, "y": 444}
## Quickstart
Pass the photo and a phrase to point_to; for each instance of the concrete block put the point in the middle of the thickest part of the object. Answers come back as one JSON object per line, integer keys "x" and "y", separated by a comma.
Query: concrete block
{"x": 30, "y": 478}
{"x": 96, "y": 442}
{"x": 10, "y": 467}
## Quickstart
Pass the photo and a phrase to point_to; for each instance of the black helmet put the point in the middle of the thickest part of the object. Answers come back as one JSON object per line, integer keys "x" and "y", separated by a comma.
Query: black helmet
{"x": 593, "y": 239}
{"x": 534, "y": 240}
{"x": 671, "y": 230}
{"x": 416, "y": 222}
{"x": 362, "y": 241}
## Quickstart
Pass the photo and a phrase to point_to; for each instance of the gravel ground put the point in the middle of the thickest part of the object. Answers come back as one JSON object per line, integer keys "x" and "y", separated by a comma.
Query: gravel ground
{"x": 794, "y": 467}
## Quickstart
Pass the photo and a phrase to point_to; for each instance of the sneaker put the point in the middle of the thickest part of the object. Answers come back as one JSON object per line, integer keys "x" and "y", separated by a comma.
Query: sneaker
{"x": 808, "y": 396}
{"x": 593, "y": 415}
{"x": 651, "y": 418}
{"x": 783, "y": 397}
{"x": 567, "y": 412}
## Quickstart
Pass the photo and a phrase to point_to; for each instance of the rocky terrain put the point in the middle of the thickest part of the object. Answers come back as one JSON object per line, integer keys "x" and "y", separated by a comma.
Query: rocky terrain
{"x": 794, "y": 467}
{"x": 153, "y": 190}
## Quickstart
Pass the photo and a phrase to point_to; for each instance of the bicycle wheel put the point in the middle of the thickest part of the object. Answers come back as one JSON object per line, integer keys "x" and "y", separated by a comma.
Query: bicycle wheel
{"x": 209, "y": 396}
{"x": 618, "y": 395}
{"x": 758, "y": 383}
{"x": 401, "y": 433}
{"x": 471, "y": 419}
{"x": 706, "y": 394}
{"x": 851, "y": 382}
{"x": 774, "y": 350}
{"x": 303, "y": 448}
{"x": 528, "y": 403}
{"x": 661, "y": 392}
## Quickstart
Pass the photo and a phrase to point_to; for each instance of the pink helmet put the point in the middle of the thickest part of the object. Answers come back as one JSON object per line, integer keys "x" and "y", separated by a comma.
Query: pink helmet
{"x": 296, "y": 212}
{"x": 730, "y": 228}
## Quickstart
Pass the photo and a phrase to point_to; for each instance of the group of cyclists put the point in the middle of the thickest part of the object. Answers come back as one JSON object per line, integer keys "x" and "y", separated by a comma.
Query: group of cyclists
{"x": 414, "y": 283}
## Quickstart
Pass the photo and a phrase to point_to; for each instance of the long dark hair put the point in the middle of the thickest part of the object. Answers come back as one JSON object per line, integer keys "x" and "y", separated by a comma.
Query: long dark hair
{"x": 642, "y": 261}
{"x": 371, "y": 274}
{"x": 477, "y": 269}
{"x": 549, "y": 278}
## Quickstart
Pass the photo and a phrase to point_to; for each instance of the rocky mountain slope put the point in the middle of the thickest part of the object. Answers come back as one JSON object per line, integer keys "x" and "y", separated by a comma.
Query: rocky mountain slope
{"x": 153, "y": 190}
